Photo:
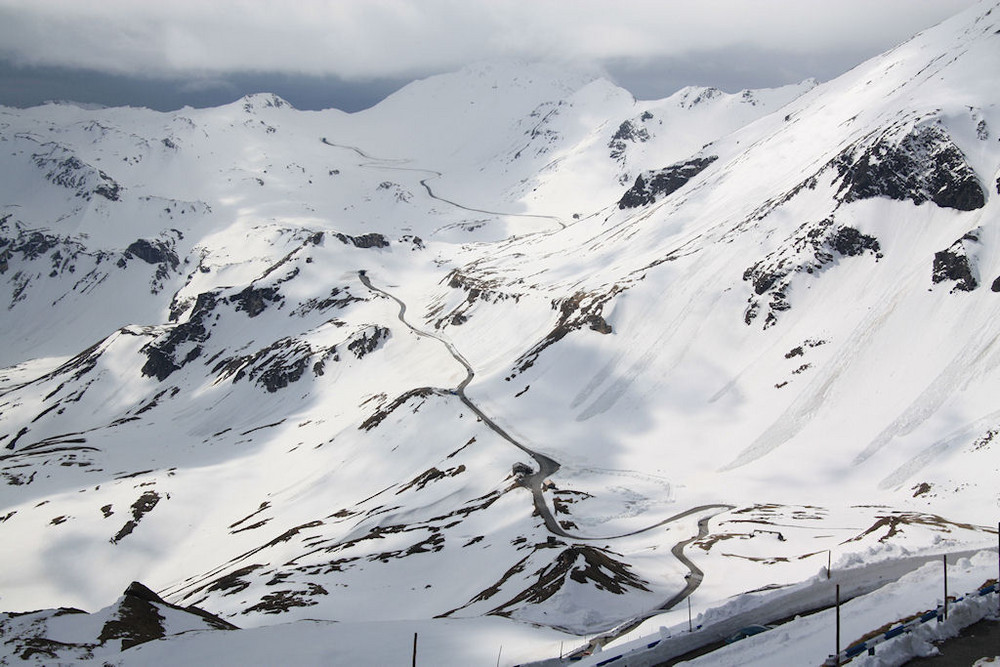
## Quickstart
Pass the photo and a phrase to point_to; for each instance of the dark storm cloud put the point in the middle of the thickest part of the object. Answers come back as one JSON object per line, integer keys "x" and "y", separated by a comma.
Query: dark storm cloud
{"x": 730, "y": 68}
{"x": 348, "y": 53}
{"x": 29, "y": 86}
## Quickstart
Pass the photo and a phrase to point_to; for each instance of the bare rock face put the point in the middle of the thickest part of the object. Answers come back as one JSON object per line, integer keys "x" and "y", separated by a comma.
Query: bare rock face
{"x": 580, "y": 311}
{"x": 956, "y": 264}
{"x": 163, "y": 355}
{"x": 924, "y": 166}
{"x": 652, "y": 185}
{"x": 64, "y": 168}
{"x": 630, "y": 131}
{"x": 371, "y": 240}
{"x": 139, "y": 616}
{"x": 809, "y": 250}
{"x": 153, "y": 252}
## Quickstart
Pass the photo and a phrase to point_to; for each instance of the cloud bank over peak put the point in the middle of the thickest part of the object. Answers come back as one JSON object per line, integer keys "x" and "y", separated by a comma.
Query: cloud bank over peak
{"x": 356, "y": 39}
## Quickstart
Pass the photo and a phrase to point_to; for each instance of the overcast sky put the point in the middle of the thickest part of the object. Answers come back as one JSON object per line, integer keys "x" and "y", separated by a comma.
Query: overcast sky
{"x": 351, "y": 53}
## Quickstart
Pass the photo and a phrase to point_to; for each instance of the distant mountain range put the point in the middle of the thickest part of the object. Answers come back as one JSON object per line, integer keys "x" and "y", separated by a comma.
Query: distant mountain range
{"x": 508, "y": 344}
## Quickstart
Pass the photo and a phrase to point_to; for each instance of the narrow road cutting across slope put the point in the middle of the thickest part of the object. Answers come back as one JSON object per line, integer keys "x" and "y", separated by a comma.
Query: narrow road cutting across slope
{"x": 378, "y": 163}
{"x": 546, "y": 466}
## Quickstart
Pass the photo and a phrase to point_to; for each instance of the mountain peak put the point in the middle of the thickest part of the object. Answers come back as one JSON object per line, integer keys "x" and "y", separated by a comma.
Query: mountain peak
{"x": 591, "y": 352}
{"x": 255, "y": 102}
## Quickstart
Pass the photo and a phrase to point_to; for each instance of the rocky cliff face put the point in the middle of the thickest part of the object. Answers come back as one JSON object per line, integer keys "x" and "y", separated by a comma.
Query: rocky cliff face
{"x": 664, "y": 182}
{"x": 924, "y": 165}
{"x": 139, "y": 616}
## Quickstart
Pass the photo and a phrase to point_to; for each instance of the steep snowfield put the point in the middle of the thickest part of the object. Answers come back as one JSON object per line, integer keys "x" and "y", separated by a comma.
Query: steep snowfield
{"x": 510, "y": 323}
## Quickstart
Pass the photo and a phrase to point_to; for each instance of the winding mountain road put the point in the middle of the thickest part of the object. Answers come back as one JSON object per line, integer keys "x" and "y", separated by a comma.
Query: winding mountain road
{"x": 377, "y": 163}
{"x": 546, "y": 466}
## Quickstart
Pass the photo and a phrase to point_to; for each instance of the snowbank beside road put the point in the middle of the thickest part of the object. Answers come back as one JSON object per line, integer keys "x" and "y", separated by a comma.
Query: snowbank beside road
{"x": 811, "y": 639}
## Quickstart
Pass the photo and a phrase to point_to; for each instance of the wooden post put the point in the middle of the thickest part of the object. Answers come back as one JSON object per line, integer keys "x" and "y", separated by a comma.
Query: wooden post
{"x": 944, "y": 560}
{"x": 829, "y": 562}
{"x": 837, "y": 654}
{"x": 414, "y": 649}
{"x": 690, "y": 627}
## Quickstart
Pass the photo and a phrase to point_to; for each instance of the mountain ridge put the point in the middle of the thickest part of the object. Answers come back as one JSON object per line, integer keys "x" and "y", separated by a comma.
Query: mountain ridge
{"x": 287, "y": 365}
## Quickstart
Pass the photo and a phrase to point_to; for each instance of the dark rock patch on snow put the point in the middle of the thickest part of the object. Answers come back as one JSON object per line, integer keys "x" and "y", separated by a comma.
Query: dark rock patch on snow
{"x": 630, "y": 131}
{"x": 849, "y": 242}
{"x": 339, "y": 297}
{"x": 372, "y": 240}
{"x": 383, "y": 412}
{"x": 575, "y": 565}
{"x": 477, "y": 288}
{"x": 650, "y": 185}
{"x": 282, "y": 601}
{"x": 578, "y": 311}
{"x": 924, "y": 166}
{"x": 256, "y": 101}
{"x": 162, "y": 354}
{"x": 140, "y": 508}
{"x": 139, "y": 616}
{"x": 368, "y": 340}
{"x": 273, "y": 367}
{"x": 810, "y": 249}
{"x": 428, "y": 476}
{"x": 957, "y": 265}
{"x": 66, "y": 170}
{"x": 253, "y": 300}
{"x": 153, "y": 252}
{"x": 159, "y": 253}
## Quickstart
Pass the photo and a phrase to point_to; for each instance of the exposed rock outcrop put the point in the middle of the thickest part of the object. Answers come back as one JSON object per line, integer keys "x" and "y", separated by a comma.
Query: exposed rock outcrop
{"x": 925, "y": 165}
{"x": 956, "y": 264}
{"x": 652, "y": 185}
{"x": 53, "y": 636}
{"x": 810, "y": 249}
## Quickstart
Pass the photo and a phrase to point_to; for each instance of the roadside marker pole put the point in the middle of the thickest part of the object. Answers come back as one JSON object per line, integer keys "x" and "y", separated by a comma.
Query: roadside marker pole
{"x": 690, "y": 627}
{"x": 414, "y": 649}
{"x": 837, "y": 661}
{"x": 944, "y": 559}
{"x": 499, "y": 653}
{"x": 829, "y": 562}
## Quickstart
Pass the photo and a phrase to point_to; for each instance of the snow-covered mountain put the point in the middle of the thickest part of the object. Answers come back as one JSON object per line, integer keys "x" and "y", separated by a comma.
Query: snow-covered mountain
{"x": 590, "y": 354}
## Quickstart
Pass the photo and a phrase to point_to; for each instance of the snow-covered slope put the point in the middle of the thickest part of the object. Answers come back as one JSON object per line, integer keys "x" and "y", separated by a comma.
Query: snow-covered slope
{"x": 510, "y": 323}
